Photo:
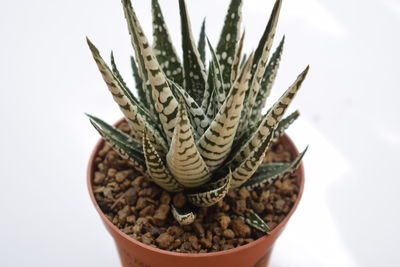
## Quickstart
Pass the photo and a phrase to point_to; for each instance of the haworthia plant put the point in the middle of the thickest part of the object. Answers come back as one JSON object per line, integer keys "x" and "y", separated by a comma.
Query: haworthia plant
{"x": 200, "y": 129}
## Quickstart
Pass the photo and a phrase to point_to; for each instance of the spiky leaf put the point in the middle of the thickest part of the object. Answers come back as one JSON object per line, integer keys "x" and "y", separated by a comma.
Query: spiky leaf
{"x": 209, "y": 195}
{"x": 164, "y": 101}
{"x": 229, "y": 37}
{"x": 270, "y": 172}
{"x": 195, "y": 75}
{"x": 157, "y": 169}
{"x": 284, "y": 125}
{"x": 252, "y": 219}
{"x": 236, "y": 62}
{"x": 215, "y": 78}
{"x": 216, "y": 142}
{"x": 163, "y": 47}
{"x": 143, "y": 97}
{"x": 201, "y": 46}
{"x": 184, "y": 215}
{"x": 183, "y": 159}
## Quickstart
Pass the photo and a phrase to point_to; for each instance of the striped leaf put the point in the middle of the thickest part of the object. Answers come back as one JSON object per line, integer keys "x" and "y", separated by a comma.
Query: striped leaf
{"x": 270, "y": 121}
{"x": 123, "y": 144}
{"x": 284, "y": 125}
{"x": 157, "y": 169}
{"x": 164, "y": 101}
{"x": 183, "y": 159}
{"x": 195, "y": 74}
{"x": 236, "y": 61}
{"x": 198, "y": 118}
{"x": 201, "y": 45}
{"x": 252, "y": 219}
{"x": 163, "y": 47}
{"x": 229, "y": 37}
{"x": 215, "y": 78}
{"x": 270, "y": 172}
{"x": 216, "y": 142}
{"x": 143, "y": 97}
{"x": 267, "y": 82}
{"x": 185, "y": 215}
{"x": 209, "y": 195}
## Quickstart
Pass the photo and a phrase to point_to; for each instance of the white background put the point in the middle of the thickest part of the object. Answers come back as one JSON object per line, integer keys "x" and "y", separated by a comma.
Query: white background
{"x": 349, "y": 215}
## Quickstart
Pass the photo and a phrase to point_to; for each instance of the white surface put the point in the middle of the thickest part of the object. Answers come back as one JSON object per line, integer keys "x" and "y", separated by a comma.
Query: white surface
{"x": 349, "y": 215}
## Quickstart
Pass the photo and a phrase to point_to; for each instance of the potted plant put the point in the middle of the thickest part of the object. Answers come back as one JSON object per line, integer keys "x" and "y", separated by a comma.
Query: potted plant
{"x": 195, "y": 174}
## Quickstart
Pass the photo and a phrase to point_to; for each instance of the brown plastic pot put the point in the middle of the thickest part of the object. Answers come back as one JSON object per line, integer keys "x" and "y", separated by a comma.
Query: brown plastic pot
{"x": 134, "y": 253}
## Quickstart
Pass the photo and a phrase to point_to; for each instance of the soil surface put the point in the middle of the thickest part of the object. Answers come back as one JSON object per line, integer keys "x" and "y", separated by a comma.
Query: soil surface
{"x": 142, "y": 210}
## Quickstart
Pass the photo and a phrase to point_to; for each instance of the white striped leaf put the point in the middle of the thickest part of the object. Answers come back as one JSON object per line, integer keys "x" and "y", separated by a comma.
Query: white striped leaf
{"x": 195, "y": 74}
{"x": 123, "y": 144}
{"x": 267, "y": 82}
{"x": 236, "y": 62}
{"x": 229, "y": 37}
{"x": 215, "y": 79}
{"x": 216, "y": 142}
{"x": 284, "y": 125}
{"x": 157, "y": 169}
{"x": 183, "y": 159}
{"x": 143, "y": 97}
{"x": 164, "y": 101}
{"x": 252, "y": 219}
{"x": 184, "y": 215}
{"x": 201, "y": 45}
{"x": 163, "y": 47}
{"x": 268, "y": 173}
{"x": 199, "y": 119}
{"x": 270, "y": 121}
{"x": 209, "y": 195}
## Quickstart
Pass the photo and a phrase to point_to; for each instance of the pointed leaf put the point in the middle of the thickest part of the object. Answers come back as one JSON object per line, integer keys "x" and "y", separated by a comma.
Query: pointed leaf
{"x": 195, "y": 75}
{"x": 252, "y": 219}
{"x": 236, "y": 62}
{"x": 267, "y": 82}
{"x": 217, "y": 141}
{"x": 143, "y": 97}
{"x": 185, "y": 215}
{"x": 126, "y": 146}
{"x": 210, "y": 194}
{"x": 201, "y": 46}
{"x": 229, "y": 37}
{"x": 183, "y": 159}
{"x": 163, "y": 47}
{"x": 164, "y": 101}
{"x": 270, "y": 172}
{"x": 215, "y": 78}
{"x": 284, "y": 124}
{"x": 157, "y": 169}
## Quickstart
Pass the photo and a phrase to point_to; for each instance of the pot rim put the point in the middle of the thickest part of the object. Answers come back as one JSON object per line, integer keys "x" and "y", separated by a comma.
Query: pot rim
{"x": 90, "y": 172}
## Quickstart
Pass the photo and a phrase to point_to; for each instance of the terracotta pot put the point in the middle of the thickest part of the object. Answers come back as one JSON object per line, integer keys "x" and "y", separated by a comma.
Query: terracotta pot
{"x": 134, "y": 253}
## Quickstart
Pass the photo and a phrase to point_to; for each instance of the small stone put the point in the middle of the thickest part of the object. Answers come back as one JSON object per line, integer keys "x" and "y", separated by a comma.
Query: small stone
{"x": 161, "y": 213}
{"x": 131, "y": 196}
{"x": 199, "y": 229}
{"x": 123, "y": 213}
{"x": 147, "y": 211}
{"x": 258, "y": 207}
{"x": 165, "y": 198}
{"x": 224, "y": 221}
{"x": 131, "y": 219}
{"x": 264, "y": 196}
{"x": 227, "y": 246}
{"x": 244, "y": 193}
{"x": 228, "y": 233}
{"x": 99, "y": 177}
{"x": 141, "y": 203}
{"x": 122, "y": 175}
{"x": 111, "y": 172}
{"x": 179, "y": 200}
{"x": 205, "y": 242}
{"x": 138, "y": 181}
{"x": 164, "y": 240}
{"x": 240, "y": 207}
{"x": 147, "y": 238}
{"x": 175, "y": 231}
{"x": 240, "y": 228}
{"x": 177, "y": 243}
{"x": 279, "y": 204}
{"x": 194, "y": 242}
{"x": 287, "y": 186}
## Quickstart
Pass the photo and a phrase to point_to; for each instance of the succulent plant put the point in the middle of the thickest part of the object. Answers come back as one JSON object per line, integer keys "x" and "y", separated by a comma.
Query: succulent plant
{"x": 195, "y": 130}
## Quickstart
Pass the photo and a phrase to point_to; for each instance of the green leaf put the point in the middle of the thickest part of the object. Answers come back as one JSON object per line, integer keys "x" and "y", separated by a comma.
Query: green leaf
{"x": 122, "y": 143}
{"x": 143, "y": 97}
{"x": 284, "y": 124}
{"x": 216, "y": 142}
{"x": 236, "y": 62}
{"x": 201, "y": 46}
{"x": 229, "y": 37}
{"x": 209, "y": 195}
{"x": 195, "y": 74}
{"x": 183, "y": 159}
{"x": 163, "y": 47}
{"x": 185, "y": 215}
{"x": 270, "y": 121}
{"x": 164, "y": 101}
{"x": 252, "y": 219}
{"x": 157, "y": 169}
{"x": 267, "y": 82}
{"x": 199, "y": 120}
{"x": 270, "y": 172}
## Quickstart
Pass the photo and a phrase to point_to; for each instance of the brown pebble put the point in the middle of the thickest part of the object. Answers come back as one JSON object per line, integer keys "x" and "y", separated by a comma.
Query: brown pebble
{"x": 244, "y": 193}
{"x": 224, "y": 221}
{"x": 165, "y": 198}
{"x": 131, "y": 219}
{"x": 122, "y": 175}
{"x": 199, "y": 229}
{"x": 228, "y": 233}
{"x": 138, "y": 181}
{"x": 179, "y": 200}
{"x": 141, "y": 203}
{"x": 131, "y": 196}
{"x": 279, "y": 204}
{"x": 175, "y": 231}
{"x": 99, "y": 177}
{"x": 240, "y": 228}
{"x": 111, "y": 172}
{"x": 227, "y": 246}
{"x": 147, "y": 238}
{"x": 164, "y": 240}
{"x": 147, "y": 211}
{"x": 258, "y": 207}
{"x": 194, "y": 242}
{"x": 161, "y": 213}
{"x": 205, "y": 242}
{"x": 123, "y": 213}
{"x": 240, "y": 206}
